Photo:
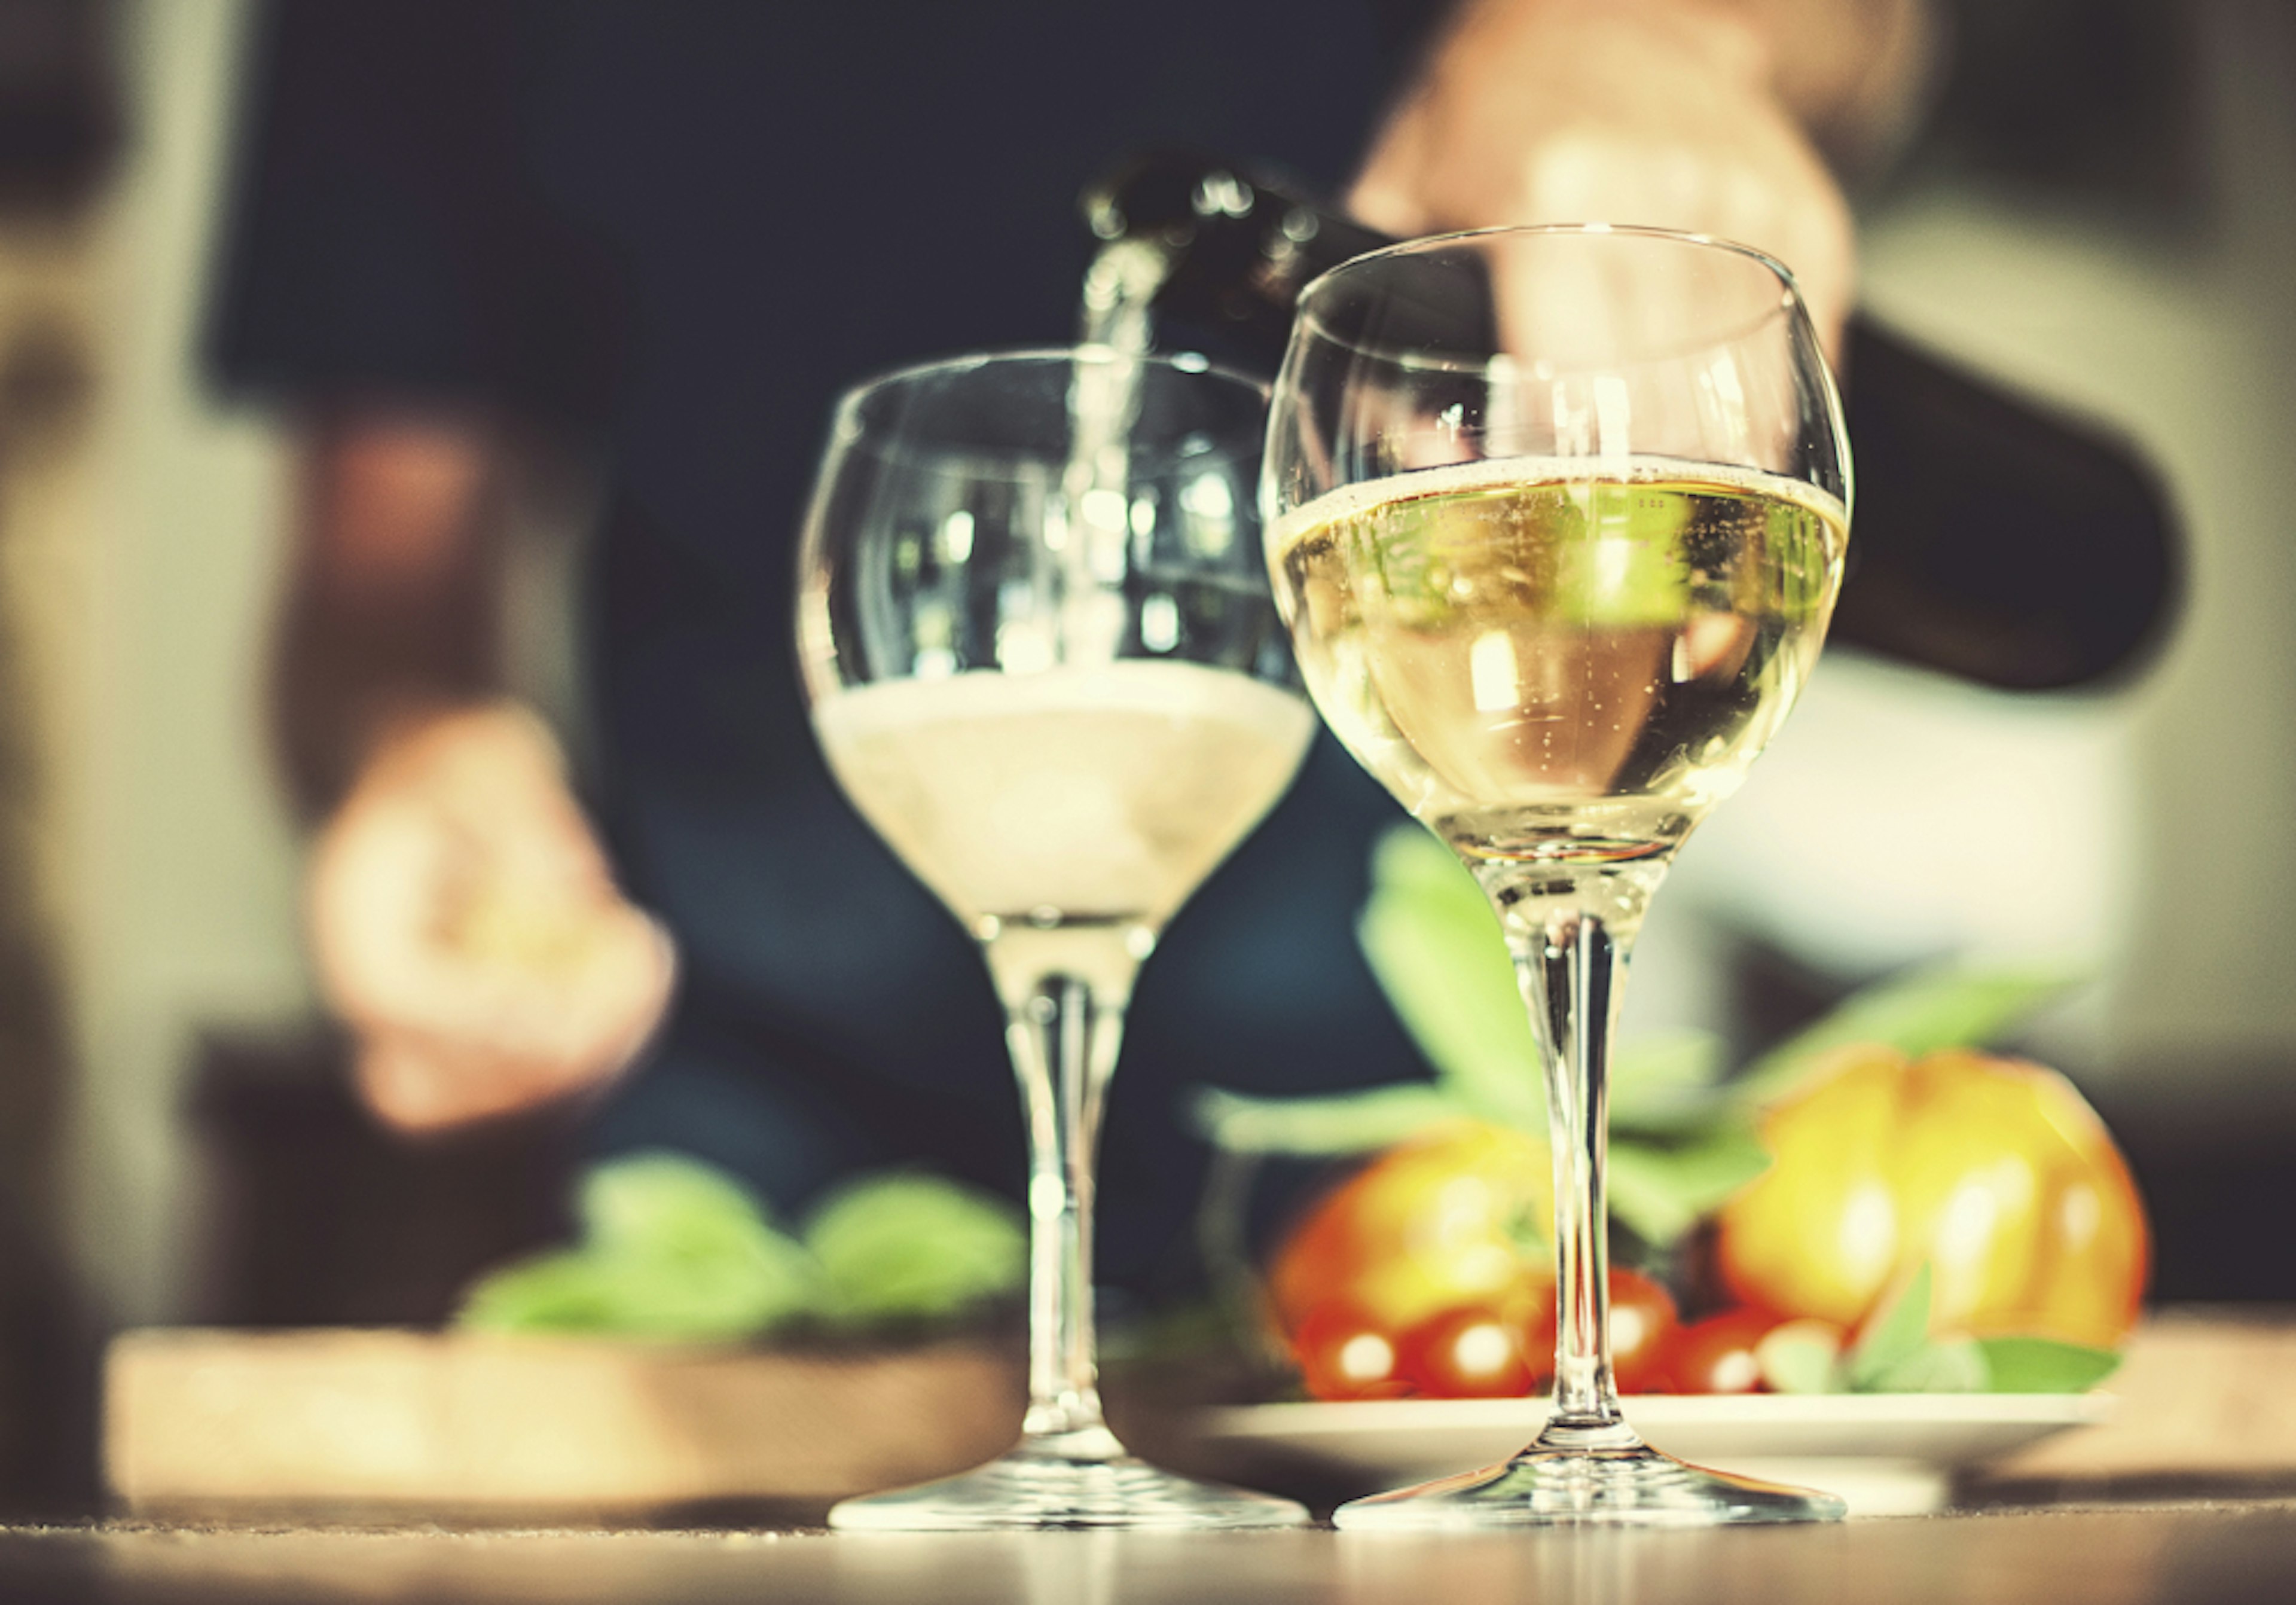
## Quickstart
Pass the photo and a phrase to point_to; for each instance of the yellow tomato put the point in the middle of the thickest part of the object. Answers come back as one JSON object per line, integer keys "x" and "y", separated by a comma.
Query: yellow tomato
{"x": 1994, "y": 1171}
{"x": 1456, "y": 1215}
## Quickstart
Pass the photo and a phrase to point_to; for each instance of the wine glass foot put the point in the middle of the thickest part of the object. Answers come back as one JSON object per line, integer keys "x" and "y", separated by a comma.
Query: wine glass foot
{"x": 1629, "y": 1486}
{"x": 1030, "y": 1488}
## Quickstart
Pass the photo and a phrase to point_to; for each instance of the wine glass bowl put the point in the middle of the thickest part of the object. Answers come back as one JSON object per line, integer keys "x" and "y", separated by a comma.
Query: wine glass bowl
{"x": 1628, "y": 539}
{"x": 1044, "y": 664}
{"x": 999, "y": 666}
{"x": 1557, "y": 519}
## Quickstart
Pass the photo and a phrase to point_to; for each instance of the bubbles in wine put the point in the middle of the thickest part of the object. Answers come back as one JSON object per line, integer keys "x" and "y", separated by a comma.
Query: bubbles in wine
{"x": 1546, "y": 662}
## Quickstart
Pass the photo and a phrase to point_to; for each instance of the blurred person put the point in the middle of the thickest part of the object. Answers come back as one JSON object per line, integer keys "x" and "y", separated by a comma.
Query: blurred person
{"x": 668, "y": 236}
{"x": 62, "y": 121}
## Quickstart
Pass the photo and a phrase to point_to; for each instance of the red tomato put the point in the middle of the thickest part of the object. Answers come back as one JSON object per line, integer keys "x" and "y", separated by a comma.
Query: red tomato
{"x": 1643, "y": 1325}
{"x": 1717, "y": 1354}
{"x": 1475, "y": 1352}
{"x": 1454, "y": 1217}
{"x": 1343, "y": 1354}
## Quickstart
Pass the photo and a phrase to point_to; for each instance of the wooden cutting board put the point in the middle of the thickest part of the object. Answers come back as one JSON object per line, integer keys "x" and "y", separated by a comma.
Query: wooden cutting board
{"x": 2204, "y": 1394}
{"x": 221, "y": 1421}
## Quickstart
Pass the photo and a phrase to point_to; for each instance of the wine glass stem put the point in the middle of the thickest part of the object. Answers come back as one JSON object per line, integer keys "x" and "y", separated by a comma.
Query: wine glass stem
{"x": 1569, "y": 939}
{"x": 1569, "y": 978}
{"x": 1063, "y": 1032}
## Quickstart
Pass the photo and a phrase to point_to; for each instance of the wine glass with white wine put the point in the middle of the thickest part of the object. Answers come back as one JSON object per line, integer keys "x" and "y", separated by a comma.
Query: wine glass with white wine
{"x": 1045, "y": 664}
{"x": 1557, "y": 519}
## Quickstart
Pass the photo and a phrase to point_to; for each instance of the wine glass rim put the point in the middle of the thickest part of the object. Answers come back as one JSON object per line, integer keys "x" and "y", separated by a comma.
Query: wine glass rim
{"x": 1427, "y": 245}
{"x": 1191, "y": 363}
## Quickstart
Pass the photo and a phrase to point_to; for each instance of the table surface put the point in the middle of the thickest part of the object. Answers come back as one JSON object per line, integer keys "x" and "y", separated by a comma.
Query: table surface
{"x": 2237, "y": 1550}
{"x": 2190, "y": 1495}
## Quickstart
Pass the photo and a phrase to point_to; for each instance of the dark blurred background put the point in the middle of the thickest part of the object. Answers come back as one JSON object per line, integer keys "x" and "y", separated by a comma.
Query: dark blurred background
{"x": 2097, "y": 208}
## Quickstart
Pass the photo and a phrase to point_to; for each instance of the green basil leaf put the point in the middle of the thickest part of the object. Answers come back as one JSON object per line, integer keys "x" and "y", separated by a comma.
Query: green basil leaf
{"x": 1806, "y": 1362}
{"x": 1673, "y": 1060}
{"x": 1343, "y": 1123}
{"x": 910, "y": 1247}
{"x": 672, "y": 1249}
{"x": 1957, "y": 1366}
{"x": 1658, "y": 1192}
{"x": 1665, "y": 1087}
{"x": 1892, "y": 1337}
{"x": 1924, "y": 1010}
{"x": 697, "y": 1298}
{"x": 658, "y": 1205}
{"x": 2045, "y": 1366}
{"x": 558, "y": 1292}
{"x": 1431, "y": 940}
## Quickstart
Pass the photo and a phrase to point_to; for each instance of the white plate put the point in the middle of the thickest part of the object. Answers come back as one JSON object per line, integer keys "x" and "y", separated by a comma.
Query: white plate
{"x": 1887, "y": 1454}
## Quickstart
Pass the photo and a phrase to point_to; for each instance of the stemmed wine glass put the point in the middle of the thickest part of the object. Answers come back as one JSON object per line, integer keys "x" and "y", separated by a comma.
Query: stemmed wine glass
{"x": 1045, "y": 664}
{"x": 1556, "y": 517}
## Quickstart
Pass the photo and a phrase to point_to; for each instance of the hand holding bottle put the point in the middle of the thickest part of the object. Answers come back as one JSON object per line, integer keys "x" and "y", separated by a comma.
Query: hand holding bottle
{"x": 1657, "y": 113}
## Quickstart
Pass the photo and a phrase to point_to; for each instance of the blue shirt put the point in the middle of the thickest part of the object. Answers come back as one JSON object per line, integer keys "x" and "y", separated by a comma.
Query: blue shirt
{"x": 674, "y": 233}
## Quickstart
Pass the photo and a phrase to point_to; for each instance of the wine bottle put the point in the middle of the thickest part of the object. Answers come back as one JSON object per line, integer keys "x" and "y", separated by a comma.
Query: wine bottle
{"x": 1996, "y": 537}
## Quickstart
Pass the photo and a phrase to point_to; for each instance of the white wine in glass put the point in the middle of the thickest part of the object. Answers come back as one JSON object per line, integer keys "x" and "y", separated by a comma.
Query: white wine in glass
{"x": 1045, "y": 664}
{"x": 1557, "y": 522}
